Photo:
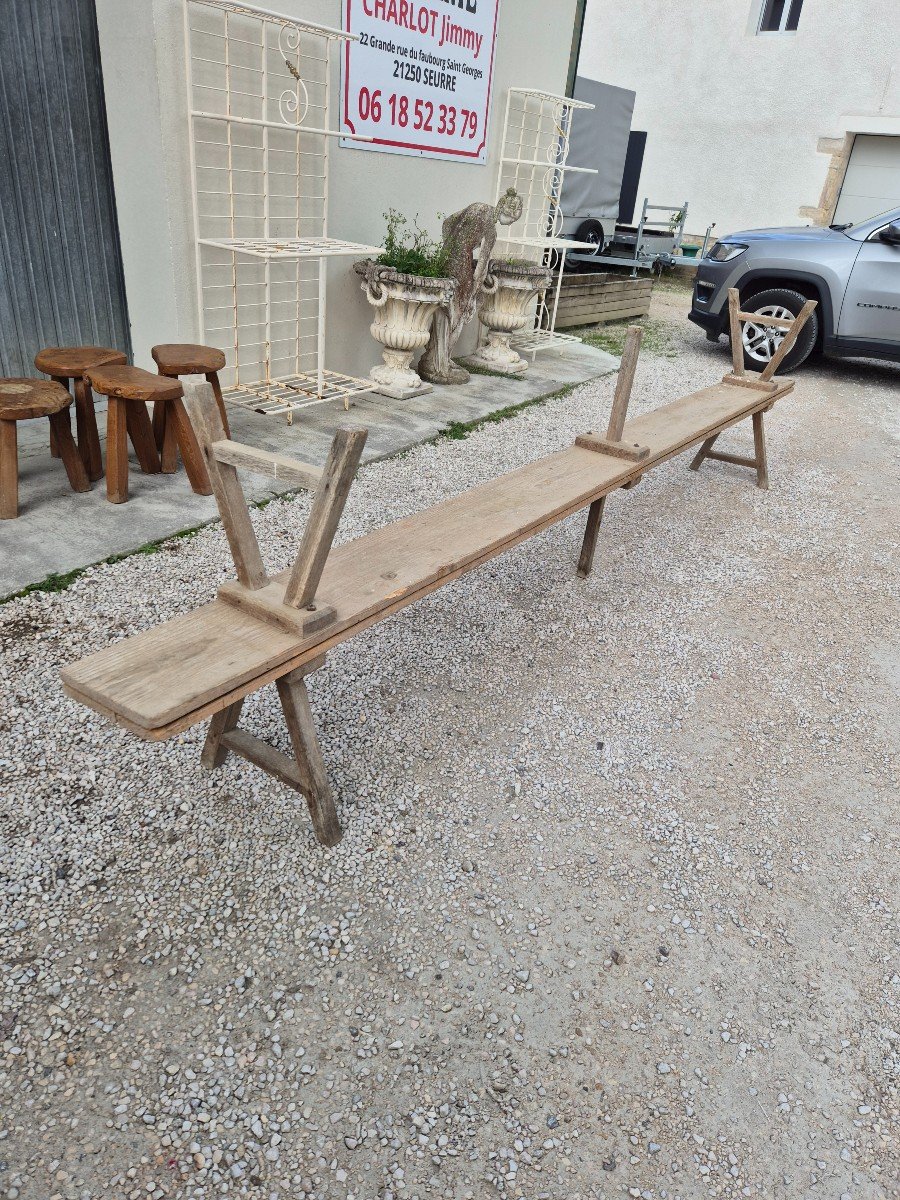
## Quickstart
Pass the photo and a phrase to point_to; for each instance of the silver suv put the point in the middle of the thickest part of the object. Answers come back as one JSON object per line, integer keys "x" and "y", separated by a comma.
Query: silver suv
{"x": 853, "y": 271}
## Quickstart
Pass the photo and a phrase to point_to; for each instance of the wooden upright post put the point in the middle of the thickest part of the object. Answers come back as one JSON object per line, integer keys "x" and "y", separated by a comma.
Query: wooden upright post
{"x": 734, "y": 324}
{"x": 619, "y": 412}
{"x": 200, "y": 401}
{"x": 788, "y": 341}
{"x": 331, "y": 496}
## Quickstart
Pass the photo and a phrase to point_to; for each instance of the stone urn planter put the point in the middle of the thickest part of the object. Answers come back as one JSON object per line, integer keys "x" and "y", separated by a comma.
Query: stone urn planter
{"x": 503, "y": 306}
{"x": 404, "y": 309}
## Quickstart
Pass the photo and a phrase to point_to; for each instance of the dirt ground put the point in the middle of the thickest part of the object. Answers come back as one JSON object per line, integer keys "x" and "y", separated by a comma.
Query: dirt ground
{"x": 615, "y": 913}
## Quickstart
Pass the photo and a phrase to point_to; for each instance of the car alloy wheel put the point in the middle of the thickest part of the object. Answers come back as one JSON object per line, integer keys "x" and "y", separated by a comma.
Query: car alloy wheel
{"x": 761, "y": 341}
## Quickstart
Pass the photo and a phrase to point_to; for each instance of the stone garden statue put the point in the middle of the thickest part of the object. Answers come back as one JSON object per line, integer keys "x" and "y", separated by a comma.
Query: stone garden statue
{"x": 472, "y": 230}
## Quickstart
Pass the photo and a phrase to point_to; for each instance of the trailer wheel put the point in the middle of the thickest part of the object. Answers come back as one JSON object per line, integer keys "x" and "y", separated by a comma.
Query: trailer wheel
{"x": 591, "y": 231}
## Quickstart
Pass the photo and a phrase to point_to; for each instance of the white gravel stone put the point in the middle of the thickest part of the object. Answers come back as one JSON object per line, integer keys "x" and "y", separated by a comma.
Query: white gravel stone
{"x": 590, "y": 826}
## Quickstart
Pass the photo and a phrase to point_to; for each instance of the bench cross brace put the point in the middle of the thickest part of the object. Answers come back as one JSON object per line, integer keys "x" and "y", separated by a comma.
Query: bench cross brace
{"x": 305, "y": 772}
{"x": 758, "y": 462}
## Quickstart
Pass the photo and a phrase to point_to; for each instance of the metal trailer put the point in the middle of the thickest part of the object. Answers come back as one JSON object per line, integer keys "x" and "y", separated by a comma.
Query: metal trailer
{"x": 598, "y": 148}
{"x": 645, "y": 246}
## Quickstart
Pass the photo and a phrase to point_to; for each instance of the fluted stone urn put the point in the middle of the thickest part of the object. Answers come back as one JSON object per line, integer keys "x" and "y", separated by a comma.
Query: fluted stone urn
{"x": 506, "y": 296}
{"x": 404, "y": 309}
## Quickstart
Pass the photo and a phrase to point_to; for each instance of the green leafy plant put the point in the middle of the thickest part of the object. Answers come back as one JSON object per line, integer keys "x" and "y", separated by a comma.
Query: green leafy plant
{"x": 409, "y": 249}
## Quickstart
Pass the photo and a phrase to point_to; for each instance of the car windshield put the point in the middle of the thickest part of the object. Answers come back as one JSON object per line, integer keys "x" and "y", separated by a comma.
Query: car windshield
{"x": 856, "y": 224}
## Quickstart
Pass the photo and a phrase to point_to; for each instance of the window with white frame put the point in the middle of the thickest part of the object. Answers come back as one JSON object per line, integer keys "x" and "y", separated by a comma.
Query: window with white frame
{"x": 780, "y": 16}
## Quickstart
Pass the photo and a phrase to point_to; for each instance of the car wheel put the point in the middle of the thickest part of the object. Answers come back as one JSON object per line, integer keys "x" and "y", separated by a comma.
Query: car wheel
{"x": 761, "y": 341}
{"x": 592, "y": 232}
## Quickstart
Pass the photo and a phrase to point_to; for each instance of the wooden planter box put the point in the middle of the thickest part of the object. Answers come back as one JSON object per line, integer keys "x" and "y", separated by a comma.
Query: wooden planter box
{"x": 599, "y": 297}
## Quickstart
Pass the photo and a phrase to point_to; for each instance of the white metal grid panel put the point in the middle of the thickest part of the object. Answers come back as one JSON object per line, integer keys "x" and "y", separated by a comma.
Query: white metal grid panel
{"x": 259, "y": 101}
{"x": 533, "y": 160}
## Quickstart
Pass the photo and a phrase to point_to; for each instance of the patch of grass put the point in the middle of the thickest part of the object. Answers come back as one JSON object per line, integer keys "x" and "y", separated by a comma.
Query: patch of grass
{"x": 60, "y": 583}
{"x": 458, "y": 431}
{"x": 611, "y": 337}
{"x": 677, "y": 280}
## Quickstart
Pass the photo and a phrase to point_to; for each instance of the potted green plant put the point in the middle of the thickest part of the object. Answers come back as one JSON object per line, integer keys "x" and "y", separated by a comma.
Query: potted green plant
{"x": 405, "y": 285}
{"x": 506, "y": 296}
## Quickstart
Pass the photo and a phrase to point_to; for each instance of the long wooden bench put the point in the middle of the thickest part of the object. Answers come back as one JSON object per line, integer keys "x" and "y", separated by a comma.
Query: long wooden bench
{"x": 260, "y": 630}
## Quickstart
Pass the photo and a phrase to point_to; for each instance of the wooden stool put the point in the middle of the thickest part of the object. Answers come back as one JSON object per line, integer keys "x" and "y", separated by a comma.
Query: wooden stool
{"x": 24, "y": 400}
{"x": 64, "y": 363}
{"x": 174, "y": 359}
{"x": 128, "y": 390}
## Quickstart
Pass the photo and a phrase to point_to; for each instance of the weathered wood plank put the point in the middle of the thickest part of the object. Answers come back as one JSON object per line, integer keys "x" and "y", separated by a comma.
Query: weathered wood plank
{"x": 171, "y": 677}
{"x": 264, "y": 462}
{"x": 201, "y": 404}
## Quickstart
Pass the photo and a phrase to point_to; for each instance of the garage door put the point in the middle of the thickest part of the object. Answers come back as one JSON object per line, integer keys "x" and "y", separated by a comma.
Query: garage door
{"x": 872, "y": 182}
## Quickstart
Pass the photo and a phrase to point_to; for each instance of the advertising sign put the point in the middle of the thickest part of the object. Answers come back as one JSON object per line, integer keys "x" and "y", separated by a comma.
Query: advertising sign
{"x": 418, "y": 81}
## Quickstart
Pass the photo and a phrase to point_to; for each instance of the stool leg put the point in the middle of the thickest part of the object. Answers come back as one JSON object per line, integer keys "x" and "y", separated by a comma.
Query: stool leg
{"x": 159, "y": 423}
{"x": 9, "y": 471}
{"x": 86, "y": 425}
{"x": 759, "y": 446}
{"x": 116, "y": 451}
{"x": 140, "y": 431}
{"x": 54, "y": 449}
{"x": 68, "y": 452}
{"x": 213, "y": 378}
{"x": 190, "y": 451}
{"x": 169, "y": 449}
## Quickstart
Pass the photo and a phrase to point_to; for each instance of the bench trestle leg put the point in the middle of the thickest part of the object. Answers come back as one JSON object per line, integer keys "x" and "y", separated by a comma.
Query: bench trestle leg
{"x": 305, "y": 771}
{"x": 214, "y": 752}
{"x": 758, "y": 462}
{"x": 298, "y": 715}
{"x": 595, "y": 518}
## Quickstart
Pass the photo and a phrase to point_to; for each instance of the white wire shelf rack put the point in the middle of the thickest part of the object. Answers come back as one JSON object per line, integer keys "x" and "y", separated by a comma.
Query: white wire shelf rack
{"x": 277, "y": 397}
{"x": 532, "y": 340}
{"x": 534, "y": 160}
{"x": 292, "y": 248}
{"x": 259, "y": 88}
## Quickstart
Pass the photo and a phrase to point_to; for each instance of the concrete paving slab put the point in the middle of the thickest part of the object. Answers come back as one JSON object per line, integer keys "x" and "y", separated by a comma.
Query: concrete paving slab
{"x": 58, "y": 531}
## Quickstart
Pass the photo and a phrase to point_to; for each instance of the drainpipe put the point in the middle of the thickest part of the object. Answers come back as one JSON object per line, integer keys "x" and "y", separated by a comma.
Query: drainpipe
{"x": 577, "y": 34}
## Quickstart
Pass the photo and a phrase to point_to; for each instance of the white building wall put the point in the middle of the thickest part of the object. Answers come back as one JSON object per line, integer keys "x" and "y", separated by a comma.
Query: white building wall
{"x": 733, "y": 117}
{"x": 142, "y": 50}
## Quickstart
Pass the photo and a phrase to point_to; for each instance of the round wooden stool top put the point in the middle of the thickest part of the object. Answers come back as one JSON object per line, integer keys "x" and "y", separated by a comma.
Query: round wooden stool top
{"x": 71, "y": 362}
{"x": 132, "y": 383}
{"x": 176, "y": 359}
{"x": 24, "y": 399}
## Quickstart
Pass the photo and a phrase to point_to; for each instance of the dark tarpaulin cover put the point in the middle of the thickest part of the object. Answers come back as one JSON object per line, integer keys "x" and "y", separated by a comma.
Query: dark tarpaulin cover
{"x": 599, "y": 140}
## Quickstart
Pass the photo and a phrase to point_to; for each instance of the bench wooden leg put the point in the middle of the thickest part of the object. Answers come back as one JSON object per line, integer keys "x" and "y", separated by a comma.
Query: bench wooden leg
{"x": 116, "y": 451}
{"x": 9, "y": 471}
{"x": 759, "y": 449}
{"x": 595, "y": 518}
{"x": 697, "y": 460}
{"x": 298, "y": 715}
{"x": 86, "y": 426}
{"x": 69, "y": 453}
{"x": 214, "y": 753}
{"x": 190, "y": 451}
{"x": 305, "y": 772}
{"x": 137, "y": 421}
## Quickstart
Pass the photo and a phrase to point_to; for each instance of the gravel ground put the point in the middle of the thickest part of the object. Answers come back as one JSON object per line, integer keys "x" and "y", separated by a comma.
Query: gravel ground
{"x": 615, "y": 910}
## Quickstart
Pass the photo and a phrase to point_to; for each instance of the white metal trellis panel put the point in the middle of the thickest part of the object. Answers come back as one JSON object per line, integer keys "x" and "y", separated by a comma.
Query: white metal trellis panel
{"x": 533, "y": 160}
{"x": 259, "y": 98}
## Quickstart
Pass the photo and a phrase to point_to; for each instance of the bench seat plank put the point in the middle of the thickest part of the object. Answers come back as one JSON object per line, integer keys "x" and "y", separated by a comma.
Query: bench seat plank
{"x": 175, "y": 675}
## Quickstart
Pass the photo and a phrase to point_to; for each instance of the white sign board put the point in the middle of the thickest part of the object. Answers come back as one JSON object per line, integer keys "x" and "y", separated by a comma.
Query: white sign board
{"x": 418, "y": 81}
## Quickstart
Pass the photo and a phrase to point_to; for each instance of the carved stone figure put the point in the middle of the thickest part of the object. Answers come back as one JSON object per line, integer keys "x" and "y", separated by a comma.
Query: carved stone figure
{"x": 472, "y": 230}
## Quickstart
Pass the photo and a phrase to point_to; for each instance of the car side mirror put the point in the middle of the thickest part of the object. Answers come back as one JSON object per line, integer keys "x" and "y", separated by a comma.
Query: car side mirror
{"x": 890, "y": 234}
